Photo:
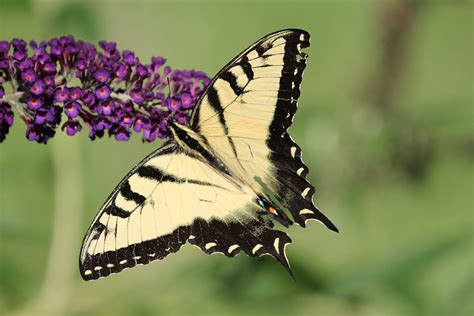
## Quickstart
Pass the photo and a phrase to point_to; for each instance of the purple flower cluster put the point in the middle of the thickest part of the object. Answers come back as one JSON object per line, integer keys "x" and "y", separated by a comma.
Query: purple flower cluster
{"x": 106, "y": 90}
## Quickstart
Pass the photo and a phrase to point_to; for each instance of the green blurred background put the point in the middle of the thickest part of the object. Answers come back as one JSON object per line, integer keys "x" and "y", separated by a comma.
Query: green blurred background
{"x": 386, "y": 126}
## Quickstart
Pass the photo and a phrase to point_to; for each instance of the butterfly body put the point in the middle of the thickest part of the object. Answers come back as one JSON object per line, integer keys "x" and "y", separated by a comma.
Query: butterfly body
{"x": 224, "y": 179}
{"x": 193, "y": 144}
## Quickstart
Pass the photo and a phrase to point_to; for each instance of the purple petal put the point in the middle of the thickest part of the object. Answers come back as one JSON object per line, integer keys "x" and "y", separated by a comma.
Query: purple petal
{"x": 34, "y": 103}
{"x": 102, "y": 92}
{"x": 106, "y": 107}
{"x": 102, "y": 75}
{"x": 71, "y": 127}
{"x": 136, "y": 95}
{"x": 61, "y": 95}
{"x": 37, "y": 88}
{"x": 72, "y": 109}
{"x": 75, "y": 93}
{"x": 186, "y": 100}
{"x": 122, "y": 134}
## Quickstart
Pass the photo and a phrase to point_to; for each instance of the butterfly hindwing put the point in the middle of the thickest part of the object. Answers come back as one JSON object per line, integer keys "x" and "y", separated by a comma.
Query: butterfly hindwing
{"x": 244, "y": 116}
{"x": 168, "y": 199}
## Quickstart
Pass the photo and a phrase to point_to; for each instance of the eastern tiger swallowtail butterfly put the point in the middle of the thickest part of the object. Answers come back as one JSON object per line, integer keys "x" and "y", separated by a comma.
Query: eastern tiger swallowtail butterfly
{"x": 224, "y": 178}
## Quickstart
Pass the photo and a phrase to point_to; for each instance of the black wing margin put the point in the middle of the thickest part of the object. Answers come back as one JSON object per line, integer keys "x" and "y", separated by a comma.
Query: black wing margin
{"x": 243, "y": 94}
{"x": 296, "y": 190}
{"x": 171, "y": 198}
{"x": 96, "y": 259}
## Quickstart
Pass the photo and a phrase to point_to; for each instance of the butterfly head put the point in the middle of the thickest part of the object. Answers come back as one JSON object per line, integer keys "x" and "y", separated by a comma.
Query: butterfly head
{"x": 185, "y": 137}
{"x": 182, "y": 135}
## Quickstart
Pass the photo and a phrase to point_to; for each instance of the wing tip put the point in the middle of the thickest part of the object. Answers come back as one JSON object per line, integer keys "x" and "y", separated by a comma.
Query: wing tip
{"x": 293, "y": 30}
{"x": 302, "y": 36}
{"x": 317, "y": 215}
{"x": 328, "y": 223}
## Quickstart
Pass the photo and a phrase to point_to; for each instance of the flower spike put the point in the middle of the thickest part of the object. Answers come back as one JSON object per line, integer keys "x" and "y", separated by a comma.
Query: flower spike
{"x": 72, "y": 84}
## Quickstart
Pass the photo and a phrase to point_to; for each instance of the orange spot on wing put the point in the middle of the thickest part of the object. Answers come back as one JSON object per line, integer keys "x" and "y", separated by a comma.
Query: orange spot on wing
{"x": 272, "y": 210}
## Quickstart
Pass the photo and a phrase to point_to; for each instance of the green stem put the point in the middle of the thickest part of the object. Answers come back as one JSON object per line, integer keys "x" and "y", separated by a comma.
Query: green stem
{"x": 55, "y": 292}
{"x": 9, "y": 97}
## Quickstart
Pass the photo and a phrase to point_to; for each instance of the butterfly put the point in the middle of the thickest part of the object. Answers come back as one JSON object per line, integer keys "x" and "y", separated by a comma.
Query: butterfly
{"x": 224, "y": 179}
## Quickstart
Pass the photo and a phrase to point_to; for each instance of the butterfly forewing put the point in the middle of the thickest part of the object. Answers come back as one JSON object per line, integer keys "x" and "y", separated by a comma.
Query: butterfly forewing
{"x": 245, "y": 114}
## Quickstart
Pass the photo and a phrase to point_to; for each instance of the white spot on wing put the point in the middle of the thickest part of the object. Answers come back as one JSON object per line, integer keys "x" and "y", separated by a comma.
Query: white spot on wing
{"x": 123, "y": 262}
{"x": 276, "y": 245}
{"x": 284, "y": 253}
{"x": 256, "y": 248}
{"x": 110, "y": 265}
{"x": 210, "y": 245}
{"x": 88, "y": 272}
{"x": 98, "y": 268}
{"x": 305, "y": 192}
{"x": 293, "y": 151}
{"x": 306, "y": 211}
{"x": 300, "y": 171}
{"x": 232, "y": 248}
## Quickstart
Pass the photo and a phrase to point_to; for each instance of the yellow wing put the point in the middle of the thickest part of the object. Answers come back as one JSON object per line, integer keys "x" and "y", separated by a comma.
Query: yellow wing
{"x": 171, "y": 198}
{"x": 244, "y": 115}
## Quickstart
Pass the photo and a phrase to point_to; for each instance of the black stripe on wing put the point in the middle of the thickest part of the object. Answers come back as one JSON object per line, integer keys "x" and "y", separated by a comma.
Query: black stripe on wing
{"x": 103, "y": 264}
{"x": 255, "y": 237}
{"x": 148, "y": 172}
{"x": 130, "y": 195}
{"x": 294, "y": 191}
{"x": 247, "y": 68}
{"x": 291, "y": 186}
{"x": 232, "y": 80}
{"x": 216, "y": 105}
